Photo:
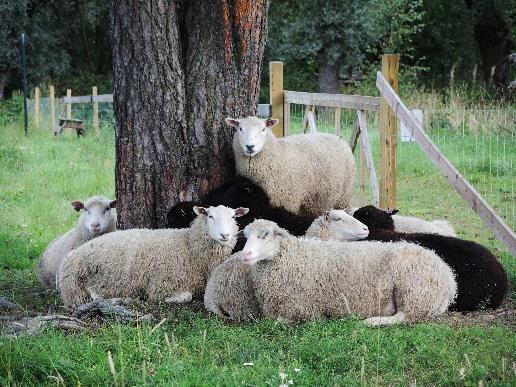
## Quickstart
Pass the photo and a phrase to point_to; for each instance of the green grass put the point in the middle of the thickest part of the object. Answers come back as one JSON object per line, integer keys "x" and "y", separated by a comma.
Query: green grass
{"x": 40, "y": 175}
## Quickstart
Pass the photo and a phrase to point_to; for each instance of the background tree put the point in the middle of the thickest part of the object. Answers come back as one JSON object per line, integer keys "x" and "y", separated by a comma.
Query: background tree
{"x": 179, "y": 69}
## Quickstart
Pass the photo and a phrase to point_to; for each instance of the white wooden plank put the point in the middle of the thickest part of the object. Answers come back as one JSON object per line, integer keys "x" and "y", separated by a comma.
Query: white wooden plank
{"x": 263, "y": 110}
{"x": 456, "y": 180}
{"x": 103, "y": 98}
{"x": 333, "y": 100}
{"x": 311, "y": 122}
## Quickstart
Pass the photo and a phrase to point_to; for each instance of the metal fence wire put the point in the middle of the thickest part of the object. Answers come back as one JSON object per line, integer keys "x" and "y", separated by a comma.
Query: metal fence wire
{"x": 480, "y": 143}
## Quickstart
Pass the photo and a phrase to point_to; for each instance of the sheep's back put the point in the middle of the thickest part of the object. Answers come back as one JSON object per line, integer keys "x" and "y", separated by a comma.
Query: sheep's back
{"x": 125, "y": 263}
{"x": 315, "y": 278}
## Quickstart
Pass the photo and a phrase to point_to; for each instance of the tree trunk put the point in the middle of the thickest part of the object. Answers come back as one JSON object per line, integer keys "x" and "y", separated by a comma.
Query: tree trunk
{"x": 328, "y": 78}
{"x": 3, "y": 87}
{"x": 179, "y": 68}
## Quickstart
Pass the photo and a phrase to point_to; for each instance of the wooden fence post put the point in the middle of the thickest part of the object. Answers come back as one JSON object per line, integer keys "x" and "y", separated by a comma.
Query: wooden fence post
{"x": 388, "y": 136}
{"x": 69, "y": 104}
{"x": 276, "y": 96}
{"x": 95, "y": 111}
{"x": 52, "y": 106}
{"x": 37, "y": 94}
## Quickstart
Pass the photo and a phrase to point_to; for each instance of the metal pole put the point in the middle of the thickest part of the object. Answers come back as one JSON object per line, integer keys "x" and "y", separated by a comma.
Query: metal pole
{"x": 24, "y": 84}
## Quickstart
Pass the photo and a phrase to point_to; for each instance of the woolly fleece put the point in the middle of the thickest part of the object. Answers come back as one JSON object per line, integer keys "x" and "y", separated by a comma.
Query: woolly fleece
{"x": 304, "y": 174}
{"x": 481, "y": 279}
{"x": 229, "y": 292}
{"x": 56, "y": 251}
{"x": 141, "y": 263}
{"x": 308, "y": 278}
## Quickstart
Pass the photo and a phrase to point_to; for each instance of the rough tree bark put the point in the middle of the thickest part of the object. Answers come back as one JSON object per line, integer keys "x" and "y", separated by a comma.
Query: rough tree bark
{"x": 328, "y": 78}
{"x": 179, "y": 68}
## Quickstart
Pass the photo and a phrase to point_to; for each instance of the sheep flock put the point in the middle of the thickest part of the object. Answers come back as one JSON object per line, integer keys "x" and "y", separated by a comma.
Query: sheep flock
{"x": 279, "y": 240}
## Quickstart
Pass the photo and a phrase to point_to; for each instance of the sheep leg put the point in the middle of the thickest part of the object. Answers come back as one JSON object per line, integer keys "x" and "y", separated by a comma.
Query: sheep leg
{"x": 377, "y": 321}
{"x": 179, "y": 298}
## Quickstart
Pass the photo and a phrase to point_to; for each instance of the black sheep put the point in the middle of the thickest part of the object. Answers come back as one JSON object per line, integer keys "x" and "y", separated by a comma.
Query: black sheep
{"x": 240, "y": 192}
{"x": 481, "y": 279}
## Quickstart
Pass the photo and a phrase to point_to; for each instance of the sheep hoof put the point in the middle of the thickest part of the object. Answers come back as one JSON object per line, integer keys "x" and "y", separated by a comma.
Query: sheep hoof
{"x": 179, "y": 298}
{"x": 377, "y": 321}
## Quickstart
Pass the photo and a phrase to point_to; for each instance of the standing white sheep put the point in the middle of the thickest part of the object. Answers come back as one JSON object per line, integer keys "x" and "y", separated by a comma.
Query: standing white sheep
{"x": 303, "y": 279}
{"x": 156, "y": 265}
{"x": 304, "y": 174}
{"x": 229, "y": 292}
{"x": 98, "y": 217}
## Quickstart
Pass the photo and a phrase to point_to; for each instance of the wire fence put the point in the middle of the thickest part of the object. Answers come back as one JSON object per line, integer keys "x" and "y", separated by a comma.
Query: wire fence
{"x": 480, "y": 143}
{"x": 80, "y": 111}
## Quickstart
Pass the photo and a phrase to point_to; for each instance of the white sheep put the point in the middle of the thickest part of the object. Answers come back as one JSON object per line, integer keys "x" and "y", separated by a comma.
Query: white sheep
{"x": 410, "y": 224}
{"x": 304, "y": 174}
{"x": 169, "y": 265}
{"x": 302, "y": 279}
{"x": 229, "y": 292}
{"x": 98, "y": 217}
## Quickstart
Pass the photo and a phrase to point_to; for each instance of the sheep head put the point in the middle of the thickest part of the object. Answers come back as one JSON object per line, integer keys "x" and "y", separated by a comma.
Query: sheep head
{"x": 263, "y": 239}
{"x": 97, "y": 216}
{"x": 251, "y": 132}
{"x": 344, "y": 227}
{"x": 222, "y": 226}
{"x": 375, "y": 218}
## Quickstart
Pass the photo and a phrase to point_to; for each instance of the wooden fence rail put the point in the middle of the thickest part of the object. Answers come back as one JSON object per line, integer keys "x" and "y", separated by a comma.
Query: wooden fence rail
{"x": 456, "y": 180}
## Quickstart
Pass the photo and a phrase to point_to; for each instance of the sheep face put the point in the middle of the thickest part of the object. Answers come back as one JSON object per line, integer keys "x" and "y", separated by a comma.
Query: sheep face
{"x": 375, "y": 218}
{"x": 344, "y": 227}
{"x": 263, "y": 239}
{"x": 222, "y": 226}
{"x": 97, "y": 216}
{"x": 251, "y": 132}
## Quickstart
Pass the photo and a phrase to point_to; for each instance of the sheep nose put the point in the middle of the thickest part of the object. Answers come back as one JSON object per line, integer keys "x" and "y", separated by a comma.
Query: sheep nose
{"x": 224, "y": 236}
{"x": 249, "y": 148}
{"x": 365, "y": 228}
{"x": 95, "y": 224}
{"x": 247, "y": 253}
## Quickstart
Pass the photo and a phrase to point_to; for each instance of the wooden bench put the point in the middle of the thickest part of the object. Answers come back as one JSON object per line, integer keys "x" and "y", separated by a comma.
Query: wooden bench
{"x": 69, "y": 123}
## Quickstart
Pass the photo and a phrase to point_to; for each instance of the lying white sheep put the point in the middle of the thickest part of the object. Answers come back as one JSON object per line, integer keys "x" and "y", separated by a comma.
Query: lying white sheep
{"x": 410, "y": 224}
{"x": 156, "y": 265}
{"x": 302, "y": 279}
{"x": 97, "y": 218}
{"x": 229, "y": 292}
{"x": 306, "y": 173}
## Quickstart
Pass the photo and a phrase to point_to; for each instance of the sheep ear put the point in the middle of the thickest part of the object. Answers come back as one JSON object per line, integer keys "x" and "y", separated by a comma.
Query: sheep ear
{"x": 77, "y": 205}
{"x": 270, "y": 122}
{"x": 200, "y": 210}
{"x": 232, "y": 122}
{"x": 241, "y": 211}
{"x": 326, "y": 215}
{"x": 280, "y": 232}
{"x": 112, "y": 204}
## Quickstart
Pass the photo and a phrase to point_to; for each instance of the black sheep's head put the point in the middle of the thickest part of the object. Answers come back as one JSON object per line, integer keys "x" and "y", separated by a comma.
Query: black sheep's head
{"x": 375, "y": 218}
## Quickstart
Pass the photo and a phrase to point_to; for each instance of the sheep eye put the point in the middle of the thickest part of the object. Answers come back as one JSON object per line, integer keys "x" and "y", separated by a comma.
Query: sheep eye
{"x": 265, "y": 235}
{"x": 240, "y": 129}
{"x": 209, "y": 216}
{"x": 337, "y": 219}
{"x": 107, "y": 209}
{"x": 263, "y": 130}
